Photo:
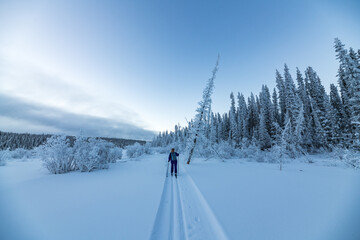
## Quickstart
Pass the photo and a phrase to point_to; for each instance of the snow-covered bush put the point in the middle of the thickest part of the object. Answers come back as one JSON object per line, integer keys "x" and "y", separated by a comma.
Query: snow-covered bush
{"x": 147, "y": 148}
{"x": 105, "y": 149}
{"x": 115, "y": 154}
{"x": 224, "y": 150}
{"x": 350, "y": 157}
{"x": 57, "y": 155}
{"x": 3, "y": 155}
{"x": 338, "y": 152}
{"x": 20, "y": 153}
{"x": 353, "y": 159}
{"x": 180, "y": 147}
{"x": 92, "y": 153}
{"x": 160, "y": 150}
{"x": 206, "y": 152}
{"x": 135, "y": 150}
{"x": 274, "y": 154}
{"x": 86, "y": 155}
{"x": 261, "y": 156}
{"x": 248, "y": 151}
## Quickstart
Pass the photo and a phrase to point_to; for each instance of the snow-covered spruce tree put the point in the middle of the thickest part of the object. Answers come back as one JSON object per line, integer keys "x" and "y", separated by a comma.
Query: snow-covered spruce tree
{"x": 243, "y": 120}
{"x": 292, "y": 100}
{"x": 305, "y": 101}
{"x": 300, "y": 127}
{"x": 57, "y": 155}
{"x": 345, "y": 100}
{"x": 226, "y": 126}
{"x": 234, "y": 132}
{"x": 219, "y": 127}
{"x": 266, "y": 119}
{"x": 288, "y": 147}
{"x": 275, "y": 108}
{"x": 301, "y": 90}
{"x": 355, "y": 98}
{"x": 344, "y": 75}
{"x": 201, "y": 111}
{"x": 264, "y": 137}
{"x": 286, "y": 142}
{"x": 282, "y": 97}
{"x": 268, "y": 106}
{"x": 320, "y": 104}
{"x": 317, "y": 131}
{"x": 253, "y": 119}
{"x": 349, "y": 81}
{"x": 337, "y": 118}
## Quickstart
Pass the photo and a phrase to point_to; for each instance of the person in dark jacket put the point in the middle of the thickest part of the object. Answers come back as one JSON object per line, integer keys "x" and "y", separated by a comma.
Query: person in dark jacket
{"x": 173, "y": 158}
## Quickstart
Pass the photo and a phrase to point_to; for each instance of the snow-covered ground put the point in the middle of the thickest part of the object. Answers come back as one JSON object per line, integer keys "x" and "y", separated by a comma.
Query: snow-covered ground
{"x": 209, "y": 200}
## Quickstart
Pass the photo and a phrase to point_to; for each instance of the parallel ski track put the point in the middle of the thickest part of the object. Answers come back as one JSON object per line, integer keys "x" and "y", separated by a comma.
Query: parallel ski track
{"x": 183, "y": 212}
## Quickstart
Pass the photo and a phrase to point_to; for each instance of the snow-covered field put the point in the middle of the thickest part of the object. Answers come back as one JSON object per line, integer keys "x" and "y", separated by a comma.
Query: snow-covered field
{"x": 210, "y": 199}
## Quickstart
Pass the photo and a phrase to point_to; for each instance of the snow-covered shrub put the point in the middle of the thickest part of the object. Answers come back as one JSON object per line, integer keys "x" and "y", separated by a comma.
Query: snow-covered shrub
{"x": 115, "y": 154}
{"x": 57, "y": 155}
{"x": 260, "y": 156}
{"x": 91, "y": 154}
{"x": 353, "y": 159}
{"x": 3, "y": 156}
{"x": 350, "y": 157}
{"x": 179, "y": 147}
{"x": 160, "y": 150}
{"x": 105, "y": 149}
{"x": 20, "y": 153}
{"x": 147, "y": 148}
{"x": 249, "y": 151}
{"x": 224, "y": 150}
{"x": 206, "y": 152}
{"x": 135, "y": 150}
{"x": 338, "y": 152}
{"x": 308, "y": 159}
{"x": 274, "y": 154}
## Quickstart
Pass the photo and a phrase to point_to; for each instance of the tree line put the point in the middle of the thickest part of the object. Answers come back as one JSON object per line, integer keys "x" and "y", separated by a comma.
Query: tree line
{"x": 298, "y": 116}
{"x": 12, "y": 141}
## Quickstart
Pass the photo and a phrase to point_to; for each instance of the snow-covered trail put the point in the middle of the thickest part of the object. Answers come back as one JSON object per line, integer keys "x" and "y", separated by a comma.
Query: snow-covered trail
{"x": 183, "y": 212}
{"x": 169, "y": 222}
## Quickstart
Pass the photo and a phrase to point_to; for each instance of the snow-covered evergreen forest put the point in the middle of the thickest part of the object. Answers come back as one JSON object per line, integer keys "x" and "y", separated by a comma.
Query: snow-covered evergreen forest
{"x": 297, "y": 117}
{"x": 12, "y": 141}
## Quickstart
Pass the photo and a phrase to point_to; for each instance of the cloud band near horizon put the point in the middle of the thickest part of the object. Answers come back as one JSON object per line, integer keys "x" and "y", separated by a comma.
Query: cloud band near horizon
{"x": 18, "y": 115}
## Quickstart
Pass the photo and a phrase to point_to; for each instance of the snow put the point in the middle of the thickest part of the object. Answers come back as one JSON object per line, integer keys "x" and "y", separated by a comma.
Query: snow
{"x": 184, "y": 213}
{"x": 211, "y": 199}
{"x": 257, "y": 201}
{"x": 118, "y": 203}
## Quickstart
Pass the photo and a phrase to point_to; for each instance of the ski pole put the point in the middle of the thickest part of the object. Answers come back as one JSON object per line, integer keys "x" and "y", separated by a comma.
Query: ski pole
{"x": 167, "y": 170}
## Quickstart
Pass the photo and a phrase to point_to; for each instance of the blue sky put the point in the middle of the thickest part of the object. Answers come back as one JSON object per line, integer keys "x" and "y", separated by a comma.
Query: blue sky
{"x": 132, "y": 68}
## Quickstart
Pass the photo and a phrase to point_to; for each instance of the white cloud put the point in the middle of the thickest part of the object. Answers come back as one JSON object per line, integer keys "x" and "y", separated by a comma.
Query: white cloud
{"x": 21, "y": 116}
{"x": 47, "y": 102}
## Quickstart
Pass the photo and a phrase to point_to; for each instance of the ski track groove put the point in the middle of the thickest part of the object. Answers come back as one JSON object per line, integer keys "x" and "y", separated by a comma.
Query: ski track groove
{"x": 183, "y": 212}
{"x": 172, "y": 215}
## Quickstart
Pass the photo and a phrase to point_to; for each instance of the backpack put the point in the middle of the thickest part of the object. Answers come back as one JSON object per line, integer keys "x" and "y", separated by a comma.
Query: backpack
{"x": 173, "y": 156}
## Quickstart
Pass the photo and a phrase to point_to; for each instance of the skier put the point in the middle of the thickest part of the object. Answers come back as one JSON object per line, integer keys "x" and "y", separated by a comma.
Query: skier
{"x": 173, "y": 158}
